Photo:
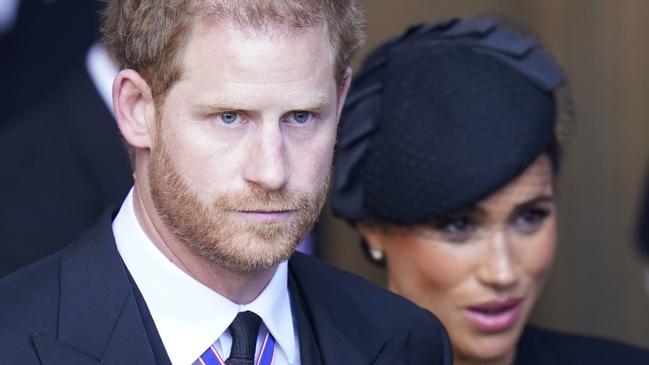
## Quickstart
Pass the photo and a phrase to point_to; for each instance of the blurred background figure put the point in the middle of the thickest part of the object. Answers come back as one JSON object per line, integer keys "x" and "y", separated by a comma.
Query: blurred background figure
{"x": 39, "y": 41}
{"x": 445, "y": 163}
{"x": 64, "y": 161}
{"x": 61, "y": 156}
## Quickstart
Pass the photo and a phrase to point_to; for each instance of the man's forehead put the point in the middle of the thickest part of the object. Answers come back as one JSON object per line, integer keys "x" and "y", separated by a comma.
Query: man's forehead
{"x": 276, "y": 54}
{"x": 226, "y": 67}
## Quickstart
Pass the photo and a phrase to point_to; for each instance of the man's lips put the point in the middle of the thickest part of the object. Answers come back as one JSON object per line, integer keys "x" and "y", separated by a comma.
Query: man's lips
{"x": 268, "y": 216}
{"x": 494, "y": 315}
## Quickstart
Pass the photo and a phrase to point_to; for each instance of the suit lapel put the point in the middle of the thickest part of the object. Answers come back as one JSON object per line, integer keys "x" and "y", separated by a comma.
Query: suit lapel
{"x": 344, "y": 334}
{"x": 99, "y": 322}
{"x": 309, "y": 350}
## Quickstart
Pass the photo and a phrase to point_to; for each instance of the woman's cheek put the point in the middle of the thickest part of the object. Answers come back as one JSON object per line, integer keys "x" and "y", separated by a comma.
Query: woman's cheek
{"x": 539, "y": 254}
{"x": 429, "y": 271}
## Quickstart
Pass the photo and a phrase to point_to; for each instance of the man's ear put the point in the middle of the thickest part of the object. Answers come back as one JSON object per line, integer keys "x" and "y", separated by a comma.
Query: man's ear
{"x": 134, "y": 108}
{"x": 345, "y": 83}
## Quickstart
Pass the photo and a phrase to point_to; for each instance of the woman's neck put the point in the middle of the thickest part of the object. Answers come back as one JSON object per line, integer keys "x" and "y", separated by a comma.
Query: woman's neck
{"x": 507, "y": 359}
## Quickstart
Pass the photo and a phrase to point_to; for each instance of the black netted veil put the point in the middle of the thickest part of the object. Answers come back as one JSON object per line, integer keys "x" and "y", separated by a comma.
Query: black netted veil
{"x": 440, "y": 118}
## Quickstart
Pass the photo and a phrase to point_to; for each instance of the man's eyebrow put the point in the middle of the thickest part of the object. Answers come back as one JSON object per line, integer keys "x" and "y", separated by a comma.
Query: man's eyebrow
{"x": 230, "y": 105}
{"x": 316, "y": 104}
{"x": 213, "y": 106}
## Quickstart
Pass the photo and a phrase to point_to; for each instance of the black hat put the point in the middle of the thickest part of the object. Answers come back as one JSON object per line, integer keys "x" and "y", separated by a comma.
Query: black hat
{"x": 440, "y": 118}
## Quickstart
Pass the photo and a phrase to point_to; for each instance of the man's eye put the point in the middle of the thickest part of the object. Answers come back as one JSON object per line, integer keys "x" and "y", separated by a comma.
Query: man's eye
{"x": 300, "y": 117}
{"x": 229, "y": 117}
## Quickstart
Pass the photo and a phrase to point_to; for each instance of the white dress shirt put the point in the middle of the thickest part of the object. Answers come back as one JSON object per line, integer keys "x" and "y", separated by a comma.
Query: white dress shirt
{"x": 102, "y": 70}
{"x": 8, "y": 12}
{"x": 190, "y": 316}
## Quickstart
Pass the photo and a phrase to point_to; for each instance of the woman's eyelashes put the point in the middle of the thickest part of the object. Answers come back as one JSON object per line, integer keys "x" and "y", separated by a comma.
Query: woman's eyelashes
{"x": 530, "y": 219}
{"x": 526, "y": 219}
{"x": 458, "y": 228}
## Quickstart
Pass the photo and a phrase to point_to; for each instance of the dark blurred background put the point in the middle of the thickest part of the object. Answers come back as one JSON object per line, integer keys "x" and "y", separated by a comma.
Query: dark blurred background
{"x": 62, "y": 162}
{"x": 44, "y": 41}
{"x": 598, "y": 285}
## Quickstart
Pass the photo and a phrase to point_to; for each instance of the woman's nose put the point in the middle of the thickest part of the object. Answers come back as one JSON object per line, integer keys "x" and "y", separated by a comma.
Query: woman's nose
{"x": 498, "y": 268}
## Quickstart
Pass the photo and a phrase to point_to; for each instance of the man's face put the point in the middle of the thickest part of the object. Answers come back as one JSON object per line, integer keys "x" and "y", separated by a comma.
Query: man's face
{"x": 240, "y": 165}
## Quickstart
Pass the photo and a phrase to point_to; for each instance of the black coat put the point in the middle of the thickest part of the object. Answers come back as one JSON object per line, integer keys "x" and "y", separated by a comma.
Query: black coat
{"x": 543, "y": 347}
{"x": 61, "y": 164}
{"x": 78, "y": 307}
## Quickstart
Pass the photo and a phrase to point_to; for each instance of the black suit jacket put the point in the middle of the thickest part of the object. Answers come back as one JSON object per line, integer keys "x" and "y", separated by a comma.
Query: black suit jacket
{"x": 542, "y": 347}
{"x": 78, "y": 307}
{"x": 61, "y": 164}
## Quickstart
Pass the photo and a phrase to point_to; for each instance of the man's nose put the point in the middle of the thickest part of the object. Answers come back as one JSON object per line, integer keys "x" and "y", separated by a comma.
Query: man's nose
{"x": 498, "y": 268}
{"x": 267, "y": 163}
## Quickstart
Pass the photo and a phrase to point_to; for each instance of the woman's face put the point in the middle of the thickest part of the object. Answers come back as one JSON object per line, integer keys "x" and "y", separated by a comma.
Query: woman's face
{"x": 481, "y": 270}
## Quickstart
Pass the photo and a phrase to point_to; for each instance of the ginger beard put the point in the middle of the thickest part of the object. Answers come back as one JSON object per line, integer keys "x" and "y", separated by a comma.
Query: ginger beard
{"x": 210, "y": 231}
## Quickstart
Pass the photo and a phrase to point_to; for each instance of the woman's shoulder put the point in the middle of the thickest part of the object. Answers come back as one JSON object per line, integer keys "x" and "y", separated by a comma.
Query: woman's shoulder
{"x": 541, "y": 346}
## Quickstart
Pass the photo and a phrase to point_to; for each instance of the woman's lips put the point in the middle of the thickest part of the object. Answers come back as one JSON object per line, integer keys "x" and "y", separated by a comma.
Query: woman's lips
{"x": 494, "y": 315}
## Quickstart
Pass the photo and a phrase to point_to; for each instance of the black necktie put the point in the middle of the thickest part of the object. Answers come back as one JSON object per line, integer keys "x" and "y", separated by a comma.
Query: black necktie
{"x": 244, "y": 330}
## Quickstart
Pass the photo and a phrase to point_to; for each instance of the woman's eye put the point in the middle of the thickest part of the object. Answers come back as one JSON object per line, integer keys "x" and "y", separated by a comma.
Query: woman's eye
{"x": 229, "y": 117}
{"x": 458, "y": 225}
{"x": 456, "y": 229}
{"x": 300, "y": 117}
{"x": 529, "y": 220}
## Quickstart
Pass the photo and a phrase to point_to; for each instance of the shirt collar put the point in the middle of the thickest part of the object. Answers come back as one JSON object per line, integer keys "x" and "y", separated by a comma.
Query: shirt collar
{"x": 188, "y": 315}
{"x": 102, "y": 70}
{"x": 273, "y": 305}
{"x": 8, "y": 12}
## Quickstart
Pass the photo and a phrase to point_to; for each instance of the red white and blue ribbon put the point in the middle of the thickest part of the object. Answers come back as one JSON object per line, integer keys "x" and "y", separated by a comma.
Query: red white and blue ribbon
{"x": 266, "y": 355}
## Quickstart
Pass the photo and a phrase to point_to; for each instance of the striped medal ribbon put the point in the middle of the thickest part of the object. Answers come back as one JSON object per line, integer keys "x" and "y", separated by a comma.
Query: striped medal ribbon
{"x": 266, "y": 356}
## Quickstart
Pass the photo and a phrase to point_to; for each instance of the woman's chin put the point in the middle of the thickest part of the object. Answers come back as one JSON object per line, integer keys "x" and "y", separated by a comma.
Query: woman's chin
{"x": 488, "y": 346}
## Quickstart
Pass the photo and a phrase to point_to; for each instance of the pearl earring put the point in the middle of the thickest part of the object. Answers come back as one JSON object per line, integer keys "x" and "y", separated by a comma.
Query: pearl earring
{"x": 376, "y": 254}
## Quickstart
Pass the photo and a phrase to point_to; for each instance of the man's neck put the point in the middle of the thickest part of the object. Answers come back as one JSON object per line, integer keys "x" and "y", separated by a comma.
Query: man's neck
{"x": 239, "y": 287}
